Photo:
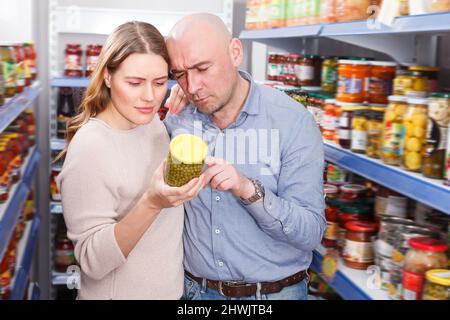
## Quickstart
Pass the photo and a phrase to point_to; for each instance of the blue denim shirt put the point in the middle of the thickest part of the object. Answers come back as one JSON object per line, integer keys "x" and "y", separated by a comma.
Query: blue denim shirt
{"x": 276, "y": 141}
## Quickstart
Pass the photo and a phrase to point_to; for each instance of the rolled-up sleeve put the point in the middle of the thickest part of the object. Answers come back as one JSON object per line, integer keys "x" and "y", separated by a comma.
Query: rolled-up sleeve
{"x": 296, "y": 213}
{"x": 89, "y": 212}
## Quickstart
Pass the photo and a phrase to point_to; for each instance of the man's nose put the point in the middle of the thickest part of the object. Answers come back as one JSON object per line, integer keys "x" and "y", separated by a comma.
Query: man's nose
{"x": 193, "y": 83}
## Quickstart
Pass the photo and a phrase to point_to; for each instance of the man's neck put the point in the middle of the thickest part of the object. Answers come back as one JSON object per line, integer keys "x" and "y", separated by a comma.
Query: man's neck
{"x": 229, "y": 113}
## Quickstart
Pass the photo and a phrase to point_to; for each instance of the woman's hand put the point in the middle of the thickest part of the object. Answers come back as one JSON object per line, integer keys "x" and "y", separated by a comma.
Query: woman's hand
{"x": 160, "y": 195}
{"x": 177, "y": 100}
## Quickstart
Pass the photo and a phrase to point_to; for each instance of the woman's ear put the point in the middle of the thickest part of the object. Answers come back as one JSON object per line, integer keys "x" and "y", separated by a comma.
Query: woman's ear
{"x": 107, "y": 78}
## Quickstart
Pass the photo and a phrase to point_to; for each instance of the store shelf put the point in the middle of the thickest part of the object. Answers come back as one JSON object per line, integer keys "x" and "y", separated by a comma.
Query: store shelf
{"x": 14, "y": 106}
{"x": 350, "y": 284}
{"x": 26, "y": 252}
{"x": 56, "y": 207}
{"x": 427, "y": 23}
{"x": 428, "y": 191}
{"x": 11, "y": 210}
{"x": 57, "y": 144}
{"x": 81, "y": 82}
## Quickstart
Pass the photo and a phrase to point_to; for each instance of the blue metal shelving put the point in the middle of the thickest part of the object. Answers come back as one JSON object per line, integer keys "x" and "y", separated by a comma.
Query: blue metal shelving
{"x": 18, "y": 198}
{"x": 20, "y": 282}
{"x": 14, "y": 107}
{"x": 428, "y": 191}
{"x": 436, "y": 22}
{"x": 80, "y": 82}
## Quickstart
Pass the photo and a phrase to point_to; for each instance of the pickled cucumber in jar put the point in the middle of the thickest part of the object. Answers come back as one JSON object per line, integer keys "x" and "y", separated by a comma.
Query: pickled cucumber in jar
{"x": 186, "y": 159}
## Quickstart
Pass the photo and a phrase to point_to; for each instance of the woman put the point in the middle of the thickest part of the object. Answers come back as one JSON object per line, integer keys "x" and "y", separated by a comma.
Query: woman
{"x": 125, "y": 222}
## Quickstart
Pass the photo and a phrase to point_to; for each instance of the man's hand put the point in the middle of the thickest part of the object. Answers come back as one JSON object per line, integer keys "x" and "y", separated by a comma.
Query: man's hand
{"x": 224, "y": 177}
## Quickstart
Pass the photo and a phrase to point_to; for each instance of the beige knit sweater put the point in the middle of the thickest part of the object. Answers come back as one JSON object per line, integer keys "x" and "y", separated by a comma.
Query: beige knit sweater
{"x": 105, "y": 173}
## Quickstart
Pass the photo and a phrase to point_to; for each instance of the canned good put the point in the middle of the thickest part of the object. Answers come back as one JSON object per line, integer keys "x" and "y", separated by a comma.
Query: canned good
{"x": 437, "y": 286}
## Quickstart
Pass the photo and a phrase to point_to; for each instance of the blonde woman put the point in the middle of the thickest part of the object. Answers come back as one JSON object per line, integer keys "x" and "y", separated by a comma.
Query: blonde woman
{"x": 125, "y": 222}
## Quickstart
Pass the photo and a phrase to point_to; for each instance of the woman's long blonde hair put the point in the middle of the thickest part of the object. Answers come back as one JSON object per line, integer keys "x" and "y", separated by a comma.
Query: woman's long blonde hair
{"x": 128, "y": 38}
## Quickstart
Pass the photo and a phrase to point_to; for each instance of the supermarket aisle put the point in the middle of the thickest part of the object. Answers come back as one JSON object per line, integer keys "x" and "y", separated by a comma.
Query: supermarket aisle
{"x": 377, "y": 87}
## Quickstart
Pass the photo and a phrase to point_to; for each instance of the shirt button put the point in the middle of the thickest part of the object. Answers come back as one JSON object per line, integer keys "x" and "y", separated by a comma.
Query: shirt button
{"x": 217, "y": 231}
{"x": 220, "y": 264}
{"x": 285, "y": 229}
{"x": 217, "y": 198}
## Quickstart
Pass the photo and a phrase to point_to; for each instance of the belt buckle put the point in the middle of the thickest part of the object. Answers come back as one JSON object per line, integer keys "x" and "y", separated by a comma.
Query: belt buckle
{"x": 228, "y": 284}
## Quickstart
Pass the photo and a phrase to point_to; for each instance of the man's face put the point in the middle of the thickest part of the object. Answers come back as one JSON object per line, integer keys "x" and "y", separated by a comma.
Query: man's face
{"x": 204, "y": 70}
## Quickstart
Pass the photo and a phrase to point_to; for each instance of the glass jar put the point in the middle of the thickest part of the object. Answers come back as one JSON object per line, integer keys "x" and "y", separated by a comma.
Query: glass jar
{"x": 336, "y": 175}
{"x": 382, "y": 76}
{"x": 64, "y": 253}
{"x": 329, "y": 120}
{"x": 359, "y": 131}
{"x": 350, "y": 10}
{"x": 328, "y": 11}
{"x": 404, "y": 7}
{"x": 392, "y": 144}
{"x": 345, "y": 122}
{"x": 375, "y": 131}
{"x": 347, "y": 213}
{"x": 54, "y": 190}
{"x": 315, "y": 105}
{"x": 92, "y": 55}
{"x": 424, "y": 254}
{"x": 436, "y": 140}
{"x": 9, "y": 70}
{"x": 437, "y": 285}
{"x": 358, "y": 251}
{"x": 415, "y": 124}
{"x": 390, "y": 203}
{"x": 389, "y": 228}
{"x": 430, "y": 73}
{"x": 73, "y": 56}
{"x": 432, "y": 6}
{"x": 305, "y": 72}
{"x": 329, "y": 75}
{"x": 419, "y": 85}
{"x": 273, "y": 71}
{"x": 353, "y": 75}
{"x": 403, "y": 82}
{"x": 20, "y": 67}
{"x": 331, "y": 214}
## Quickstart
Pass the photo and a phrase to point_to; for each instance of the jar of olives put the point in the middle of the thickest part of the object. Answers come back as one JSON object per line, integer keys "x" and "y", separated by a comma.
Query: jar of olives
{"x": 374, "y": 131}
{"x": 391, "y": 150}
{"x": 415, "y": 124}
{"x": 437, "y": 285}
{"x": 359, "y": 130}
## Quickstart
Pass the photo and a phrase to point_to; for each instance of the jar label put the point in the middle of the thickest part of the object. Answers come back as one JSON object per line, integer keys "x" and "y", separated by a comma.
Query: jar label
{"x": 331, "y": 232}
{"x": 345, "y": 134}
{"x": 393, "y": 138}
{"x": 9, "y": 73}
{"x": 329, "y": 75}
{"x": 305, "y": 73}
{"x": 20, "y": 74}
{"x": 412, "y": 285}
{"x": 380, "y": 87}
{"x": 273, "y": 70}
{"x": 91, "y": 62}
{"x": 360, "y": 252}
{"x": 396, "y": 206}
{"x": 350, "y": 85}
{"x": 73, "y": 62}
{"x": 328, "y": 122}
{"x": 397, "y": 257}
{"x": 344, "y": 122}
{"x": 436, "y": 137}
{"x": 359, "y": 140}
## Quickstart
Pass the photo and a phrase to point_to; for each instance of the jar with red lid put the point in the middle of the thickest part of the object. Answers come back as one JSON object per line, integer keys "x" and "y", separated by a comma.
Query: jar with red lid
{"x": 353, "y": 191}
{"x": 347, "y": 213}
{"x": 424, "y": 254}
{"x": 353, "y": 76}
{"x": 73, "y": 66}
{"x": 382, "y": 75}
{"x": 92, "y": 56}
{"x": 331, "y": 214}
{"x": 358, "y": 251}
{"x": 273, "y": 70}
{"x": 329, "y": 119}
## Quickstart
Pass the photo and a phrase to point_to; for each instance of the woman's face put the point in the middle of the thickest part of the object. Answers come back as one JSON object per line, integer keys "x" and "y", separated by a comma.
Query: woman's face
{"x": 138, "y": 87}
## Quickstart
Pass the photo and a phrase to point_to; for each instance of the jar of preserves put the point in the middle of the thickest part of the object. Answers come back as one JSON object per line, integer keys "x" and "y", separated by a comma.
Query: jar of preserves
{"x": 392, "y": 144}
{"x": 433, "y": 6}
{"x": 281, "y": 67}
{"x": 315, "y": 105}
{"x": 375, "y": 131}
{"x": 359, "y": 131}
{"x": 349, "y": 212}
{"x": 358, "y": 251}
{"x": 328, "y": 11}
{"x": 9, "y": 70}
{"x": 415, "y": 124}
{"x": 345, "y": 122}
{"x": 389, "y": 203}
{"x": 20, "y": 67}
{"x": 436, "y": 140}
{"x": 353, "y": 75}
{"x": 73, "y": 66}
{"x": 64, "y": 253}
{"x": 331, "y": 214}
{"x": 273, "y": 71}
{"x": 329, "y": 75}
{"x": 306, "y": 72}
{"x": 437, "y": 285}
{"x": 430, "y": 73}
{"x": 382, "y": 75}
{"x": 424, "y": 254}
{"x": 329, "y": 119}
{"x": 92, "y": 55}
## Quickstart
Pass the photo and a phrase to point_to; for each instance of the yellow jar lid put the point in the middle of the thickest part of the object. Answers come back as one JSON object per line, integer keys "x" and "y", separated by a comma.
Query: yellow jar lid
{"x": 382, "y": 109}
{"x": 423, "y": 68}
{"x": 188, "y": 149}
{"x": 439, "y": 276}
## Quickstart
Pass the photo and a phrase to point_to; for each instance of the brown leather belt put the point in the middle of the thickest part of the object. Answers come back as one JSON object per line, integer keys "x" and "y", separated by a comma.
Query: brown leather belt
{"x": 237, "y": 289}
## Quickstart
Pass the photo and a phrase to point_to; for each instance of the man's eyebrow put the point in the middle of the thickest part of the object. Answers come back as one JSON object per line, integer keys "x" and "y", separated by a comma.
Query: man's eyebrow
{"x": 199, "y": 64}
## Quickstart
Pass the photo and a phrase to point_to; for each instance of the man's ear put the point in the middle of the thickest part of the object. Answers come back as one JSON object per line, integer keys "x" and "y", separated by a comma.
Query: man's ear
{"x": 236, "y": 52}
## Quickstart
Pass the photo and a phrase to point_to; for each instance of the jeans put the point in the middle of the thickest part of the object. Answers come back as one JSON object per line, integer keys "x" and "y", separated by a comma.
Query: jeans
{"x": 195, "y": 291}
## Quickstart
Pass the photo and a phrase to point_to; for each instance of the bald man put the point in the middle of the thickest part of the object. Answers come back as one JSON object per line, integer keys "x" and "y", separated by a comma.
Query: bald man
{"x": 251, "y": 232}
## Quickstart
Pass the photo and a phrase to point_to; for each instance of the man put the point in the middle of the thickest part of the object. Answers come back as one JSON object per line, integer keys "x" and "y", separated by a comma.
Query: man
{"x": 251, "y": 232}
